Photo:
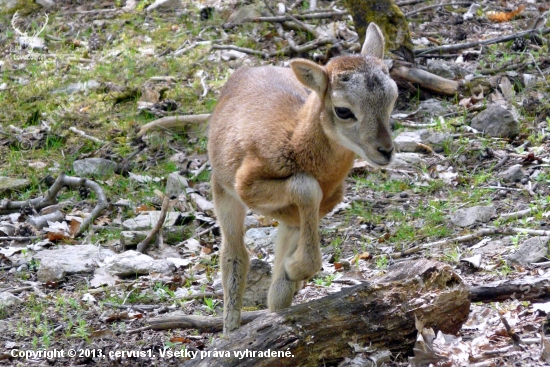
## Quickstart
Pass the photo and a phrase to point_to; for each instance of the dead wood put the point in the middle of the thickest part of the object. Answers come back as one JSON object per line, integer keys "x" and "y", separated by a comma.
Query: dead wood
{"x": 172, "y": 123}
{"x": 529, "y": 288}
{"x": 283, "y": 18}
{"x": 50, "y": 198}
{"x": 470, "y": 237}
{"x": 420, "y": 10}
{"x": 381, "y": 314}
{"x": 144, "y": 244}
{"x": 463, "y": 46}
{"x": 179, "y": 320}
{"x": 425, "y": 79}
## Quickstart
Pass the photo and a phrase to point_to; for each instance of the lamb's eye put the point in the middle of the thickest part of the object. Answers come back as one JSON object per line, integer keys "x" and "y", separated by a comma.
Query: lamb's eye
{"x": 344, "y": 113}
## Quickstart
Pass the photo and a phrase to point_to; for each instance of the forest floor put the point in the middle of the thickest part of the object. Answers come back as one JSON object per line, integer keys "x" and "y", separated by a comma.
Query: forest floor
{"x": 112, "y": 66}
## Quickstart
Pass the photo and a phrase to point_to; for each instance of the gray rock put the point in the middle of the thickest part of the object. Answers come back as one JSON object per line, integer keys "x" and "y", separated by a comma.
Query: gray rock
{"x": 94, "y": 167}
{"x": 9, "y": 300}
{"x": 250, "y": 222}
{"x": 445, "y": 69}
{"x": 406, "y": 161}
{"x": 132, "y": 263}
{"x": 260, "y": 237}
{"x": 175, "y": 184}
{"x": 496, "y": 121}
{"x": 201, "y": 203}
{"x": 245, "y": 12}
{"x": 50, "y": 273}
{"x": 78, "y": 87}
{"x": 165, "y": 5}
{"x": 475, "y": 214}
{"x": 408, "y": 141}
{"x": 45, "y": 3}
{"x": 8, "y": 5}
{"x": 257, "y": 284}
{"x": 432, "y": 107}
{"x": 533, "y": 250}
{"x": 8, "y": 183}
{"x": 513, "y": 174}
{"x": 146, "y": 220}
{"x": 55, "y": 264}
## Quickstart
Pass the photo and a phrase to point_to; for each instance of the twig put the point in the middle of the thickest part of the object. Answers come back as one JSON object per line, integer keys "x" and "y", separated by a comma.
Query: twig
{"x": 218, "y": 294}
{"x": 50, "y": 198}
{"x": 282, "y": 18}
{"x": 178, "y": 320}
{"x": 419, "y": 10}
{"x": 519, "y": 214}
{"x": 142, "y": 246}
{"x": 200, "y": 170}
{"x": 500, "y": 163}
{"x": 472, "y": 236}
{"x": 170, "y": 122}
{"x": 462, "y": 46}
{"x": 409, "y": 2}
{"x": 511, "y": 333}
{"x": 19, "y": 238}
{"x": 416, "y": 126}
{"x": 538, "y": 68}
{"x": 83, "y": 134}
{"x": 249, "y": 51}
{"x": 197, "y": 235}
{"x": 204, "y": 86}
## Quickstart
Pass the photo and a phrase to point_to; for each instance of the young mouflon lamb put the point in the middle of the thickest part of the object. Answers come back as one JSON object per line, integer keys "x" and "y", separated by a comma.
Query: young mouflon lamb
{"x": 281, "y": 142}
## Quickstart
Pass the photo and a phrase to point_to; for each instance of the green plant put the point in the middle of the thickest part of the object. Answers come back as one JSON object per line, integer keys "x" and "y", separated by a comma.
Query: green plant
{"x": 381, "y": 262}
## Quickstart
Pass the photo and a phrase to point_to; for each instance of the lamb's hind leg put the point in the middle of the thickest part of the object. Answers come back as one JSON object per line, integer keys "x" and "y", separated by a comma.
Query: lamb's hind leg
{"x": 234, "y": 258}
{"x": 282, "y": 289}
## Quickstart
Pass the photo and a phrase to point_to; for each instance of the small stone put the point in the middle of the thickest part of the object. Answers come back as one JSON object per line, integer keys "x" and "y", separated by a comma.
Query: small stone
{"x": 132, "y": 263}
{"x": 7, "y": 300}
{"x": 45, "y": 3}
{"x": 8, "y": 183}
{"x": 469, "y": 216}
{"x": 257, "y": 284}
{"x": 513, "y": 174}
{"x": 165, "y": 5}
{"x": 94, "y": 167}
{"x": 496, "y": 121}
{"x": 531, "y": 251}
{"x": 175, "y": 185}
{"x": 403, "y": 195}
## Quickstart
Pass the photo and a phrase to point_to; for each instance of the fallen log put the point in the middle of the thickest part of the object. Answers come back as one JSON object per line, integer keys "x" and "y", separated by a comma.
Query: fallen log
{"x": 529, "y": 288}
{"x": 425, "y": 80}
{"x": 379, "y": 314}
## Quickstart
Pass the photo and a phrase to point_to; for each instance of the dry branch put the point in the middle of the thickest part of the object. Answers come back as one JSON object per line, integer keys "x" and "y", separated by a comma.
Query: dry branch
{"x": 463, "y": 46}
{"x": 380, "y": 314}
{"x": 142, "y": 246}
{"x": 491, "y": 231}
{"x": 50, "y": 198}
{"x": 173, "y": 122}
{"x": 425, "y": 79}
{"x": 419, "y": 10}
{"x": 283, "y": 18}
{"x": 528, "y": 288}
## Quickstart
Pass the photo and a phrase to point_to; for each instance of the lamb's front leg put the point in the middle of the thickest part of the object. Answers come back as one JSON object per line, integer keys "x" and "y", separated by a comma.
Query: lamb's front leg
{"x": 306, "y": 260}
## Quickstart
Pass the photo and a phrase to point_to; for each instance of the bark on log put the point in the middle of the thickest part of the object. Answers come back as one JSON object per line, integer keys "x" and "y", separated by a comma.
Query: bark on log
{"x": 425, "y": 79}
{"x": 380, "y": 314}
{"x": 529, "y": 288}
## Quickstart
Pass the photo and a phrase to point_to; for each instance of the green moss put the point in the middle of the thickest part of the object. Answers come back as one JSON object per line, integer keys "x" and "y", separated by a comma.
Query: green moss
{"x": 387, "y": 16}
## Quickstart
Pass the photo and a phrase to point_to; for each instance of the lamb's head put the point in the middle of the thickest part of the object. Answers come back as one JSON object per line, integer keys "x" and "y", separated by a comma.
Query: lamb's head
{"x": 358, "y": 96}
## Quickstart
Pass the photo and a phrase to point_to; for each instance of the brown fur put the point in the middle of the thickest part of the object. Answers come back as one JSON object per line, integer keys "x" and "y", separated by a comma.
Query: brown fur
{"x": 276, "y": 146}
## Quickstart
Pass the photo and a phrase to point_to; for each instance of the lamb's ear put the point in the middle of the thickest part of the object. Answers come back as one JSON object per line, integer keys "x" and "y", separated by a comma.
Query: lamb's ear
{"x": 374, "y": 42}
{"x": 310, "y": 74}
